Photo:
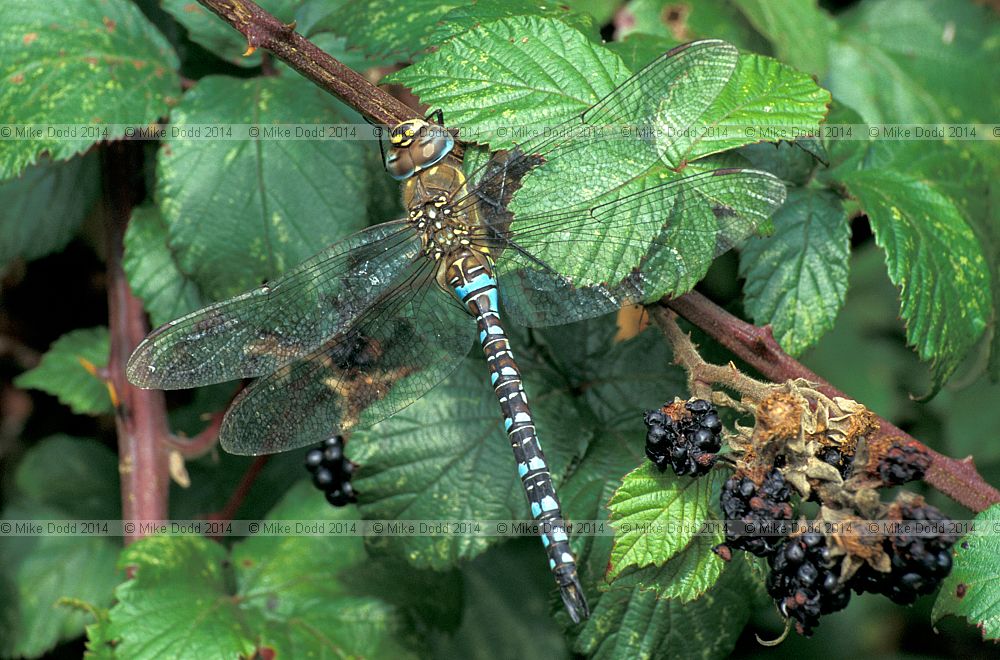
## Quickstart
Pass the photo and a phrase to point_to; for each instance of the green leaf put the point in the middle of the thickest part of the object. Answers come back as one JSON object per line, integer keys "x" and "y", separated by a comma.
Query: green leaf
{"x": 926, "y": 240}
{"x": 467, "y": 17}
{"x": 972, "y": 591}
{"x": 796, "y": 279}
{"x": 77, "y": 476}
{"x": 537, "y": 70}
{"x": 153, "y": 272}
{"x": 289, "y": 606}
{"x": 241, "y": 212}
{"x": 631, "y": 623}
{"x": 602, "y": 11}
{"x": 59, "y": 479}
{"x": 800, "y": 31}
{"x": 638, "y": 49}
{"x": 506, "y": 607}
{"x": 78, "y": 62}
{"x": 216, "y": 36}
{"x": 277, "y": 594}
{"x": 62, "y": 374}
{"x": 686, "y": 576}
{"x": 418, "y": 464}
{"x": 388, "y": 28}
{"x": 44, "y": 207}
{"x": 687, "y": 21}
{"x": 177, "y": 603}
{"x": 762, "y": 96}
{"x": 917, "y": 61}
{"x": 649, "y": 497}
{"x": 43, "y": 569}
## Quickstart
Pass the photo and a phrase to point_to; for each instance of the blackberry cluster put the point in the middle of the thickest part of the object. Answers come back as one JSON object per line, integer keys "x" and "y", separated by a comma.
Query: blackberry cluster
{"x": 690, "y": 444}
{"x": 756, "y": 517}
{"x": 836, "y": 458}
{"x": 902, "y": 462}
{"x": 804, "y": 581}
{"x": 332, "y": 471}
{"x": 920, "y": 561}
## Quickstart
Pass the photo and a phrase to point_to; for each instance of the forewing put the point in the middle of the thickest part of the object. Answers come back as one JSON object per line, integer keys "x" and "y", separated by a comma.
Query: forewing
{"x": 635, "y": 245}
{"x": 399, "y": 349}
{"x": 258, "y": 331}
{"x": 632, "y": 125}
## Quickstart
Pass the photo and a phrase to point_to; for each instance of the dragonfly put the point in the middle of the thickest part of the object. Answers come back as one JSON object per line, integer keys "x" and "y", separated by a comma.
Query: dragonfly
{"x": 367, "y": 326}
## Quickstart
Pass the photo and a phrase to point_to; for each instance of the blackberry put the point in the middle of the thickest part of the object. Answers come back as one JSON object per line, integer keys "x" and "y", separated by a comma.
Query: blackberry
{"x": 919, "y": 551}
{"x": 902, "y": 462}
{"x": 836, "y": 458}
{"x": 332, "y": 471}
{"x": 804, "y": 581}
{"x": 756, "y": 517}
{"x": 686, "y": 440}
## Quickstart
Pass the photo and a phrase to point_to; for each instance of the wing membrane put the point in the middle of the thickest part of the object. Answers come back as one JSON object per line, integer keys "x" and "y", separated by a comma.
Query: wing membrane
{"x": 398, "y": 350}
{"x": 665, "y": 98}
{"x": 258, "y": 331}
{"x": 629, "y": 247}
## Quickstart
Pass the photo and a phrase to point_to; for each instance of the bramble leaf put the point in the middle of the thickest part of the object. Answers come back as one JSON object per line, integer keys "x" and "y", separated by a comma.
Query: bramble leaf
{"x": 934, "y": 258}
{"x": 649, "y": 497}
{"x": 972, "y": 590}
{"x": 43, "y": 208}
{"x": 800, "y": 31}
{"x": 418, "y": 464}
{"x": 518, "y": 72}
{"x": 627, "y": 622}
{"x": 79, "y": 62}
{"x": 63, "y": 375}
{"x": 916, "y": 61}
{"x": 796, "y": 279}
{"x": 153, "y": 272}
{"x": 60, "y": 481}
{"x": 277, "y": 594}
{"x": 242, "y": 211}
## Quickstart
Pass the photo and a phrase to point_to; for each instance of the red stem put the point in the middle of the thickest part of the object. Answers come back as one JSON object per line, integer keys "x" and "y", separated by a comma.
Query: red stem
{"x": 240, "y": 493}
{"x": 140, "y": 415}
{"x": 958, "y": 479}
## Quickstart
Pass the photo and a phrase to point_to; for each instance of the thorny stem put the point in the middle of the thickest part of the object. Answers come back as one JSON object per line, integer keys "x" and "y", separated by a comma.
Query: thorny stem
{"x": 263, "y": 30}
{"x": 140, "y": 415}
{"x": 958, "y": 479}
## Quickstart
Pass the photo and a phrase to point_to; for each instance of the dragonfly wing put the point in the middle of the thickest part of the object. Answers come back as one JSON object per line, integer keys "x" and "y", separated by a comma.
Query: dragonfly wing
{"x": 635, "y": 244}
{"x": 391, "y": 356}
{"x": 633, "y": 125}
{"x": 258, "y": 331}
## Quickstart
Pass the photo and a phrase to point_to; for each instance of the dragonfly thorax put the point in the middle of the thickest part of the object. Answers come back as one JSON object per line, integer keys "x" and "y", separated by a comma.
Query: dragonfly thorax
{"x": 443, "y": 230}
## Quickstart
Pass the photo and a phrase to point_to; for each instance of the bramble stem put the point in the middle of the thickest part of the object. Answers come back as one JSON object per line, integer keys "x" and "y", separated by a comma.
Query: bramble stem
{"x": 958, "y": 479}
{"x": 140, "y": 415}
{"x": 263, "y": 30}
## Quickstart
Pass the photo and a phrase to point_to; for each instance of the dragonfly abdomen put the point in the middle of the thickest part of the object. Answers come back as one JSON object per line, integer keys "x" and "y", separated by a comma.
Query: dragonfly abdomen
{"x": 474, "y": 284}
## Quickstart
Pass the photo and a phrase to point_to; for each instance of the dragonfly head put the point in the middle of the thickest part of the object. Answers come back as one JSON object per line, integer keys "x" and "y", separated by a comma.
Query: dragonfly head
{"x": 415, "y": 145}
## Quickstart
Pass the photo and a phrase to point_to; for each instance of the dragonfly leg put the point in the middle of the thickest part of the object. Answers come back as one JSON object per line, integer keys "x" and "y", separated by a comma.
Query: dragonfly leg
{"x": 476, "y": 287}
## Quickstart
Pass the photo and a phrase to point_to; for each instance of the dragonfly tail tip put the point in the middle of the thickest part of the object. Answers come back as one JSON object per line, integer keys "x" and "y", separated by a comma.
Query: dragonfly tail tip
{"x": 574, "y": 600}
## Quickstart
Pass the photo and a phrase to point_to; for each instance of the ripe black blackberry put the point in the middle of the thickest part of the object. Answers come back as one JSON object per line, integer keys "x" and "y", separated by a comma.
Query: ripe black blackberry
{"x": 804, "y": 581}
{"x": 920, "y": 552}
{"x": 687, "y": 440}
{"x": 836, "y": 458}
{"x": 756, "y": 517}
{"x": 332, "y": 471}
{"x": 901, "y": 462}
